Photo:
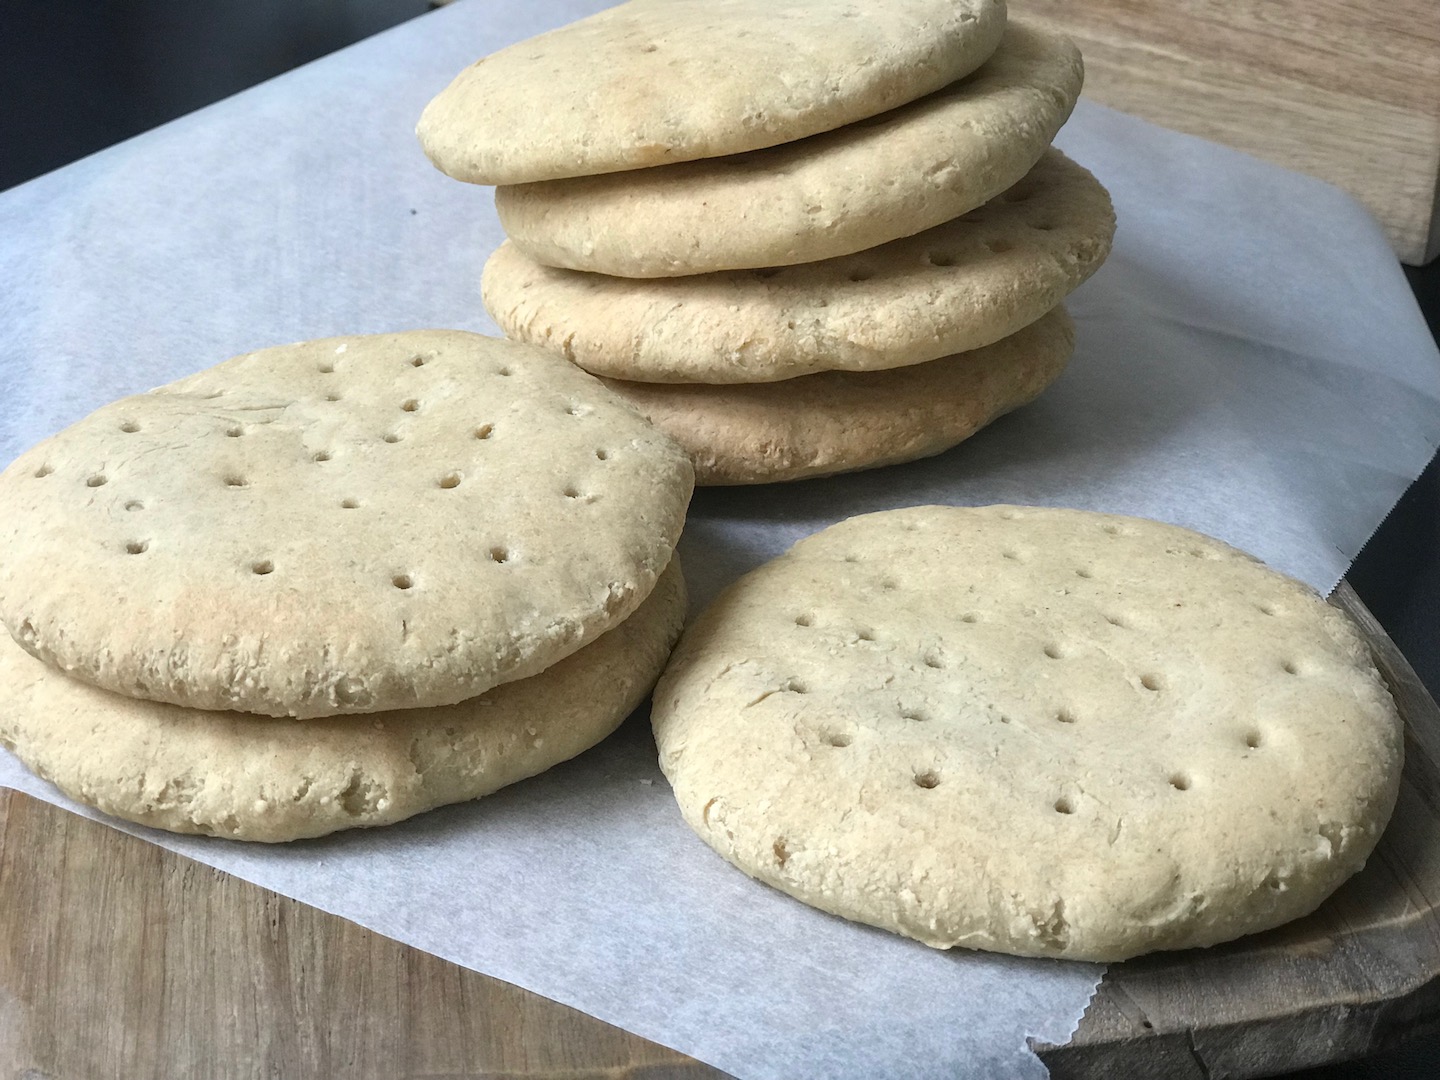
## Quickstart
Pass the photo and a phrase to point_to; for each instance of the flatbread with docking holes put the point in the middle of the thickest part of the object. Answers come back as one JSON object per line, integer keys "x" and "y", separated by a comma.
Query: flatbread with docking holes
{"x": 347, "y": 525}
{"x": 248, "y": 777}
{"x": 844, "y": 191}
{"x": 1036, "y": 731}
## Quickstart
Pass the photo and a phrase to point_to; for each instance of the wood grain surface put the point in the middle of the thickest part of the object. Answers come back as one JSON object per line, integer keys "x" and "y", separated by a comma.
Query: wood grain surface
{"x": 1345, "y": 91}
{"x": 121, "y": 959}
{"x": 118, "y": 958}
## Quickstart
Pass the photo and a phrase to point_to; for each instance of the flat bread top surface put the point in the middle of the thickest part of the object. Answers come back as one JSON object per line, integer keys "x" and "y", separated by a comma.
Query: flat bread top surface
{"x": 345, "y": 525}
{"x": 249, "y": 777}
{"x": 839, "y": 421}
{"x": 1038, "y": 731}
{"x": 850, "y": 189}
{"x": 657, "y": 81}
{"x": 954, "y": 288}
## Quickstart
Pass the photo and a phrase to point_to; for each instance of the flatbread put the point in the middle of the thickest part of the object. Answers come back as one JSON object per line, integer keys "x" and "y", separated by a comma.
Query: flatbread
{"x": 658, "y": 81}
{"x": 832, "y": 194}
{"x": 1042, "y": 732}
{"x": 953, "y": 288}
{"x": 249, "y": 777}
{"x": 839, "y": 421}
{"x": 346, "y": 525}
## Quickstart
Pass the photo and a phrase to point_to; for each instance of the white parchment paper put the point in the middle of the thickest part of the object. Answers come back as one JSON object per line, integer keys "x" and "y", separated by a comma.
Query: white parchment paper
{"x": 1250, "y": 363}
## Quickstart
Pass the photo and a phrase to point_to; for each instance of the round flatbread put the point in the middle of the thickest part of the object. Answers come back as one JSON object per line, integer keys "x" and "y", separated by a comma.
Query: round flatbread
{"x": 839, "y": 421}
{"x": 953, "y": 288}
{"x": 1042, "y": 732}
{"x": 347, "y": 525}
{"x": 830, "y": 195}
{"x": 658, "y": 81}
{"x": 250, "y": 777}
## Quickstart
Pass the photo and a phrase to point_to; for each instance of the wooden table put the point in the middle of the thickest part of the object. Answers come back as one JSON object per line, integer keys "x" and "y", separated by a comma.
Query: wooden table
{"x": 118, "y": 958}
{"x": 1345, "y": 91}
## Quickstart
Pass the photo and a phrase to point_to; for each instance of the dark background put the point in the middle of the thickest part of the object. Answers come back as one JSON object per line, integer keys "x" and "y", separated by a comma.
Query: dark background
{"x": 77, "y": 76}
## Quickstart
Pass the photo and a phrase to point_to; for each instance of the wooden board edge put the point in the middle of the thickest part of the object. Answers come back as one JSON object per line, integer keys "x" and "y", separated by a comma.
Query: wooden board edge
{"x": 1115, "y": 1038}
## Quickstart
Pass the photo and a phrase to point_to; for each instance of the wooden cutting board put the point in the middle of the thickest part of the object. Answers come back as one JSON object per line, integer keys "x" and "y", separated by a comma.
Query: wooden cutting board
{"x": 1345, "y": 91}
{"x": 118, "y": 958}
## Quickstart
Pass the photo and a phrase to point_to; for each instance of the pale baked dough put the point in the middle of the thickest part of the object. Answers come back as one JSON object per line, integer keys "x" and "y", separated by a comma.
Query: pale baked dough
{"x": 956, "y": 287}
{"x": 1043, "y": 732}
{"x": 345, "y": 525}
{"x": 250, "y": 777}
{"x": 832, "y": 194}
{"x": 838, "y": 421}
{"x": 657, "y": 81}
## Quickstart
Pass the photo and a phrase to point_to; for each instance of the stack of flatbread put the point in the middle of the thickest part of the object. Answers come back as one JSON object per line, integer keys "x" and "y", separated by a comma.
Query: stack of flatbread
{"x": 802, "y": 238}
{"x": 335, "y": 584}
